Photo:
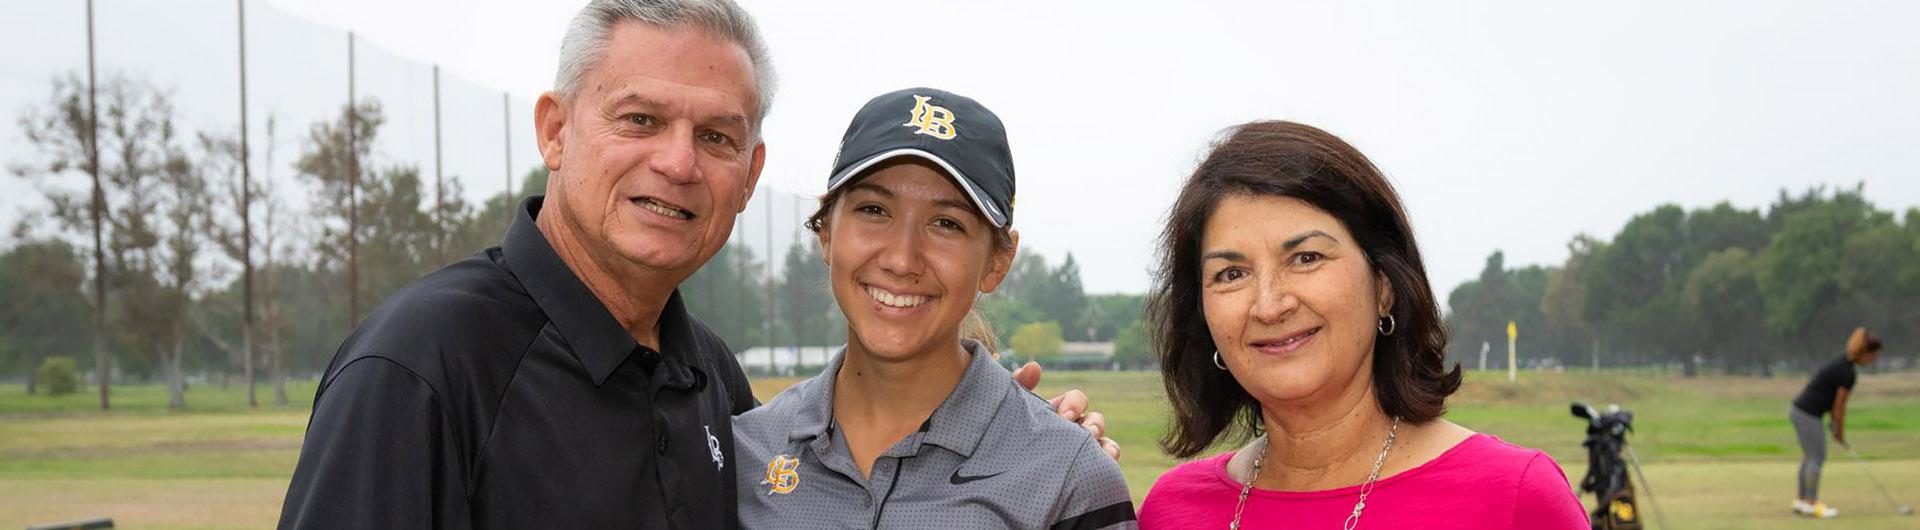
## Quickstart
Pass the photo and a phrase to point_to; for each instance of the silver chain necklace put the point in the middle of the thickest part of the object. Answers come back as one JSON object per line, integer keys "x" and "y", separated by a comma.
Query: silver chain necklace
{"x": 1365, "y": 487}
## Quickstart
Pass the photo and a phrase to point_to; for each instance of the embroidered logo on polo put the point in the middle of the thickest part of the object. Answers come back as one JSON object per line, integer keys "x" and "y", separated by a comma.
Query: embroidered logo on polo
{"x": 931, "y": 120}
{"x": 958, "y": 479}
{"x": 782, "y": 475}
{"x": 713, "y": 449}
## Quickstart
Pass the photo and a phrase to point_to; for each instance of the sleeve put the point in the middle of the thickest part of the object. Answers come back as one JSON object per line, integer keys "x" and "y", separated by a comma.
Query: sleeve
{"x": 1096, "y": 493}
{"x": 1849, "y": 377}
{"x": 378, "y": 454}
{"x": 1544, "y": 499}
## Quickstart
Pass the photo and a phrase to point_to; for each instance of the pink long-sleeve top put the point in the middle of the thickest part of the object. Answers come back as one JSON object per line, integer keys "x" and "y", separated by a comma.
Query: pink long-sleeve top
{"x": 1483, "y": 483}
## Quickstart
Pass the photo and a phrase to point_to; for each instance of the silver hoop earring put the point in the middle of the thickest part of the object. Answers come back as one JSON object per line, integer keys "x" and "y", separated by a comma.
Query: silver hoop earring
{"x": 1387, "y": 325}
{"x": 1216, "y": 360}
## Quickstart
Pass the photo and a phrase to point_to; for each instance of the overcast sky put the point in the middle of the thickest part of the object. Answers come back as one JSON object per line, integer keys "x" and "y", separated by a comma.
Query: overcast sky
{"x": 1508, "y": 125}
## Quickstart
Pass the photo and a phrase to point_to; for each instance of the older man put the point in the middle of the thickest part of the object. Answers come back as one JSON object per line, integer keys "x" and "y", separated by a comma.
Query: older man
{"x": 557, "y": 381}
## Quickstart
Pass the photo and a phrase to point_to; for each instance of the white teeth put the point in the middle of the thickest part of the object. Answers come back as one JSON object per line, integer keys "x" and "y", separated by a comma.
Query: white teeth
{"x": 895, "y": 300}
{"x": 662, "y": 209}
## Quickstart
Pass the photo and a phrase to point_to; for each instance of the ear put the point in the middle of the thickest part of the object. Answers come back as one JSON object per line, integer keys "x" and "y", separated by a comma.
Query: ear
{"x": 1000, "y": 263}
{"x": 825, "y": 235}
{"x": 549, "y": 121}
{"x": 753, "y": 174}
{"x": 1384, "y": 289}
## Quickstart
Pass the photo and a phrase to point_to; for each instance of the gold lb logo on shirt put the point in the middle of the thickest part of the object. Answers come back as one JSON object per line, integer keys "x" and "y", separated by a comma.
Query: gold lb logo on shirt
{"x": 931, "y": 120}
{"x": 782, "y": 475}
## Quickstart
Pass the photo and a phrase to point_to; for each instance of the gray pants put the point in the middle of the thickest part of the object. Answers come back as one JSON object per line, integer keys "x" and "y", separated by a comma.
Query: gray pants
{"x": 1813, "y": 448}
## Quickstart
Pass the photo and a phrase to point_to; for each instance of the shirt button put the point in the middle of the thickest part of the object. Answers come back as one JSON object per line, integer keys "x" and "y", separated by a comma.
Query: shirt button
{"x": 661, "y": 445}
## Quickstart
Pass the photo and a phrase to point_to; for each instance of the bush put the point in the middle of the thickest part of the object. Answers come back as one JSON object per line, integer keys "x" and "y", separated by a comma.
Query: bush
{"x": 58, "y": 375}
{"x": 1039, "y": 340}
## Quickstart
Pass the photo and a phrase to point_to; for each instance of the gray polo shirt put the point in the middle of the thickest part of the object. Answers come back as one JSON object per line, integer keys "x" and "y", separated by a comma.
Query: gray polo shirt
{"x": 992, "y": 456}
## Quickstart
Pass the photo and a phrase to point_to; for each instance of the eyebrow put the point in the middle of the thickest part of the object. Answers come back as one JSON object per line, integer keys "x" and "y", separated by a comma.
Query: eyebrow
{"x": 1302, "y": 238}
{"x": 1229, "y": 255}
{"x": 1290, "y": 244}
{"x": 651, "y": 105}
{"x": 956, "y": 204}
{"x": 875, "y": 188}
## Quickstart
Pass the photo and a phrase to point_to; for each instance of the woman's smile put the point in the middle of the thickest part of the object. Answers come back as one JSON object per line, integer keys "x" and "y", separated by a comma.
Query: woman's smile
{"x": 1284, "y": 345}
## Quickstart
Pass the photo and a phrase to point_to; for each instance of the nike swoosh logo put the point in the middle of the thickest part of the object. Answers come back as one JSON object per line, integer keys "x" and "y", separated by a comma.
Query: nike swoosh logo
{"x": 959, "y": 479}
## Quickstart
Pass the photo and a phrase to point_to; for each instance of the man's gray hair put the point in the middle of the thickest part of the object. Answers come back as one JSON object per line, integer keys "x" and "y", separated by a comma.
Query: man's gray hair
{"x": 592, "y": 28}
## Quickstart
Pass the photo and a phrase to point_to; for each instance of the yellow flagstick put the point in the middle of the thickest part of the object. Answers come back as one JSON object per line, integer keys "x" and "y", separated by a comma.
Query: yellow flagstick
{"x": 1513, "y": 369}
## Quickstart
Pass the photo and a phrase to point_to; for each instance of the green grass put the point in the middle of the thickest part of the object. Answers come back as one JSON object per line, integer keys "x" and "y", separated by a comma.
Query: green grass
{"x": 1718, "y": 451}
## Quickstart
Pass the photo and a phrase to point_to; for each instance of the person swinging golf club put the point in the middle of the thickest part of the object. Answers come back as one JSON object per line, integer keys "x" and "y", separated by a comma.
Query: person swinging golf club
{"x": 1826, "y": 392}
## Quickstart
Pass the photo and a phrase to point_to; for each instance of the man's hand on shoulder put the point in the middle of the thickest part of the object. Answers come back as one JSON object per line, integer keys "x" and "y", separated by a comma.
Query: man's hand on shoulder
{"x": 1073, "y": 406}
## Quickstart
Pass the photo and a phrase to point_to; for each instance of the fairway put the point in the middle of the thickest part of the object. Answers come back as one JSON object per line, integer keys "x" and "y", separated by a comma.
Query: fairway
{"x": 1718, "y": 451}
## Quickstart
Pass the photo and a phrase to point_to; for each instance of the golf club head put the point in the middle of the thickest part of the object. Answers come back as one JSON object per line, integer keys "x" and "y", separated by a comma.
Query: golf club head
{"x": 1583, "y": 411}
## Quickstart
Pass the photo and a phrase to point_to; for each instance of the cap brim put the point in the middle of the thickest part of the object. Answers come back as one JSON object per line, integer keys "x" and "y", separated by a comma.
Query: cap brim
{"x": 993, "y": 215}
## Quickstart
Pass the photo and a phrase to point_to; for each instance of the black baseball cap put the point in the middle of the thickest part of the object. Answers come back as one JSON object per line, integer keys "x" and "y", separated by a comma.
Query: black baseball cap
{"x": 952, "y": 131}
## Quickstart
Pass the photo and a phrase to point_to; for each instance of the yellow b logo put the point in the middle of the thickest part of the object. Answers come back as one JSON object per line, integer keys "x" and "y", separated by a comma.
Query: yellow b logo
{"x": 1622, "y": 510}
{"x": 781, "y": 474}
{"x": 932, "y": 120}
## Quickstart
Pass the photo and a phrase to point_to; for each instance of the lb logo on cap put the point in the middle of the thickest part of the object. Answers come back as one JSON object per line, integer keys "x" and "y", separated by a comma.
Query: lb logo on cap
{"x": 931, "y": 120}
{"x": 782, "y": 475}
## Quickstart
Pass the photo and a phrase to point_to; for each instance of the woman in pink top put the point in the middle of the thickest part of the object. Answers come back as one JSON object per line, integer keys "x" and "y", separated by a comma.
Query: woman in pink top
{"x": 1291, "y": 308}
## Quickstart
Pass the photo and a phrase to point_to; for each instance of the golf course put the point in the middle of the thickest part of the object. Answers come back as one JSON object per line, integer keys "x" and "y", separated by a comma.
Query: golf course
{"x": 1718, "y": 451}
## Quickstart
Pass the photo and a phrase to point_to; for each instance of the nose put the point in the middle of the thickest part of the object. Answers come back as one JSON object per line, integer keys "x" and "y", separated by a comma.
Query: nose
{"x": 901, "y": 253}
{"x": 1274, "y": 300}
{"x": 675, "y": 157}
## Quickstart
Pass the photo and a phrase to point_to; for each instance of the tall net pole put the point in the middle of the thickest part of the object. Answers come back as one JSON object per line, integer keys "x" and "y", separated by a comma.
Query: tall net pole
{"x": 103, "y": 372}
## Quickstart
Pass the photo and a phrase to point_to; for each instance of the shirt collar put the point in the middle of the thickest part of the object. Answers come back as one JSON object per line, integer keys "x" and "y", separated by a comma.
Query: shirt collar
{"x": 957, "y": 425}
{"x": 594, "y": 337}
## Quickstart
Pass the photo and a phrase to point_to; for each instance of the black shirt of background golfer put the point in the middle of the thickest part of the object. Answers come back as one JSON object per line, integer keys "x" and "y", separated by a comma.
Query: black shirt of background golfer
{"x": 498, "y": 392}
{"x": 1817, "y": 398}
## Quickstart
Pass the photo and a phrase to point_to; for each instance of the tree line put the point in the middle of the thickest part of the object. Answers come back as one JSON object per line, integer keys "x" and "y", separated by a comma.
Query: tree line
{"x": 1740, "y": 291}
{"x": 175, "y": 247}
{"x": 1743, "y": 290}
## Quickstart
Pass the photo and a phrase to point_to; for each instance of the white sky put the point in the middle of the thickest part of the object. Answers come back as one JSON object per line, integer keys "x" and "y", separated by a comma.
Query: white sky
{"x": 1506, "y": 125}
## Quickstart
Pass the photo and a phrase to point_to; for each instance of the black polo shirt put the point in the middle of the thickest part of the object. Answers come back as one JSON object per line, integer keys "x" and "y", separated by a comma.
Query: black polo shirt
{"x": 498, "y": 392}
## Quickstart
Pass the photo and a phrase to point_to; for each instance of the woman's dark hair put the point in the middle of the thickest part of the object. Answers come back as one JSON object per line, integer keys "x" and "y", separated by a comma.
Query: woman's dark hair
{"x": 1278, "y": 158}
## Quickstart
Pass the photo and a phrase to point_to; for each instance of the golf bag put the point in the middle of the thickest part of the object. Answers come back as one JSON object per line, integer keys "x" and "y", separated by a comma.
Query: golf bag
{"x": 1607, "y": 475}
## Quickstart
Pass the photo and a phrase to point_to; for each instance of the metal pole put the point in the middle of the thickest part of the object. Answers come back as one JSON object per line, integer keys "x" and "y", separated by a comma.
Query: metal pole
{"x": 353, "y": 200}
{"x": 102, "y": 372}
{"x": 506, "y": 135}
{"x": 246, "y": 220}
{"x": 439, "y": 179}
{"x": 773, "y": 361}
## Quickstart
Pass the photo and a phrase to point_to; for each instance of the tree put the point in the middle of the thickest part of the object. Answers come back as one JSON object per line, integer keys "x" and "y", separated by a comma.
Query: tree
{"x": 42, "y": 305}
{"x": 1564, "y": 301}
{"x": 1107, "y": 315}
{"x": 335, "y": 161}
{"x": 1483, "y": 307}
{"x": 223, "y": 162}
{"x": 1725, "y": 300}
{"x": 727, "y": 294}
{"x": 1131, "y": 348}
{"x": 1005, "y": 314}
{"x": 64, "y": 135}
{"x": 811, "y": 313}
{"x": 1039, "y": 340}
{"x": 1801, "y": 271}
